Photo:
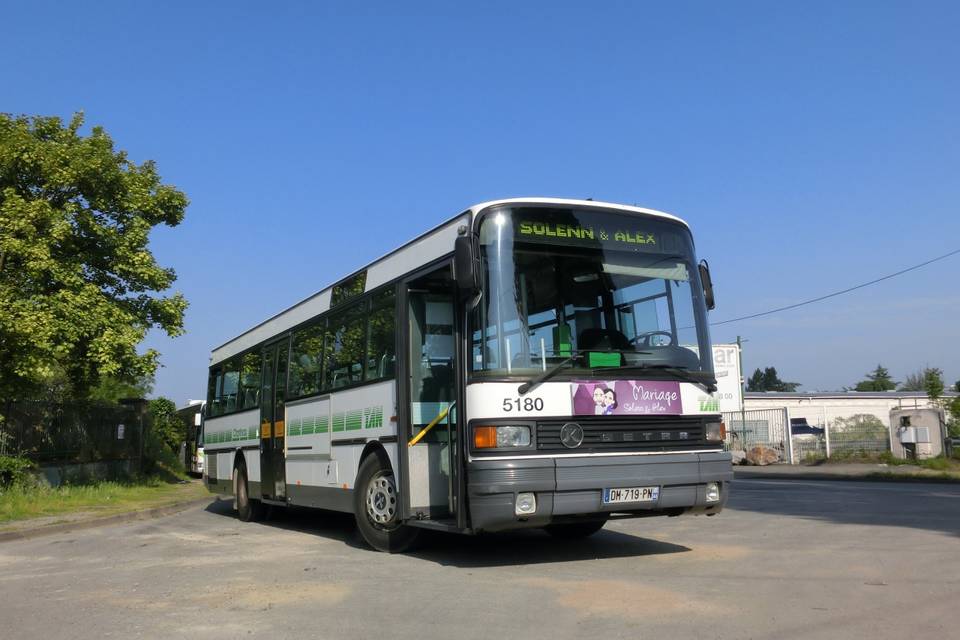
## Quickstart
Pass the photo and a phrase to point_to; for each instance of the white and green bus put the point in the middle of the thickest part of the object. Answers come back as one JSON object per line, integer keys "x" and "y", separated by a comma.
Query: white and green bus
{"x": 532, "y": 362}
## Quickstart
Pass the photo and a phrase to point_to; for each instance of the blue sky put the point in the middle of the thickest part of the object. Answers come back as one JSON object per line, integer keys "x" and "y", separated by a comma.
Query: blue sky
{"x": 811, "y": 146}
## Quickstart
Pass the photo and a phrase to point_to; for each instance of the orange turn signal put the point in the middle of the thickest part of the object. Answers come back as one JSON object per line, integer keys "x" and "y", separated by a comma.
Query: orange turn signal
{"x": 484, "y": 437}
{"x": 723, "y": 430}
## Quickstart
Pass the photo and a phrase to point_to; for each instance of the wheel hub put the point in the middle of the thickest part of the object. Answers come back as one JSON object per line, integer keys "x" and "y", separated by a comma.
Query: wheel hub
{"x": 381, "y": 500}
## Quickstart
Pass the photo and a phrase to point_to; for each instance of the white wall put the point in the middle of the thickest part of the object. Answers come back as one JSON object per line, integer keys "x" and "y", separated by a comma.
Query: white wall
{"x": 823, "y": 410}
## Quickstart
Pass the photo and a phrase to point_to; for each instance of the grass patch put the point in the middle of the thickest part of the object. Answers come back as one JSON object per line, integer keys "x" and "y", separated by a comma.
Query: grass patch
{"x": 940, "y": 463}
{"x": 95, "y": 499}
{"x": 943, "y": 476}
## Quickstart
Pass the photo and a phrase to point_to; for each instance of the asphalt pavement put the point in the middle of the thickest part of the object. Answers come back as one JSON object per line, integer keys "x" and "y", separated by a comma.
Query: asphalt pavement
{"x": 787, "y": 559}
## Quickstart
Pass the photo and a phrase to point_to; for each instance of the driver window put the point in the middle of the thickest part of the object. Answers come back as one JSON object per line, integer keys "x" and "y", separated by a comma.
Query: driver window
{"x": 648, "y": 316}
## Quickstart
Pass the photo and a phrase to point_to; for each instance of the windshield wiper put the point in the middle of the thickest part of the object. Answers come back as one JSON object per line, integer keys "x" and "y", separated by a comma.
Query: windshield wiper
{"x": 710, "y": 384}
{"x": 557, "y": 368}
{"x": 546, "y": 375}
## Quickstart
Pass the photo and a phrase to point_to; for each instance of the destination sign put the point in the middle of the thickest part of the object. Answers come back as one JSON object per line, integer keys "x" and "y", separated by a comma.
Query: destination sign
{"x": 548, "y": 231}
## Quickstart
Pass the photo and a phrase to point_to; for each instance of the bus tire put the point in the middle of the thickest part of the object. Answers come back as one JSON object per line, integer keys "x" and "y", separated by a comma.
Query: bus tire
{"x": 376, "y": 504}
{"x": 248, "y": 509}
{"x": 573, "y": 530}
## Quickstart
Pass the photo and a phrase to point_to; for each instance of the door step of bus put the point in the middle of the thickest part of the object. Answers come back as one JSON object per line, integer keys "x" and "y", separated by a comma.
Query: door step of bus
{"x": 276, "y": 503}
{"x": 437, "y": 525}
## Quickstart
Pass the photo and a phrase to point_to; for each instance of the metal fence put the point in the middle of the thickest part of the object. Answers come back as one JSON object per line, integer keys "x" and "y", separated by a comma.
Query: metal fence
{"x": 765, "y": 437}
{"x": 858, "y": 435}
{"x": 761, "y": 436}
{"x": 72, "y": 432}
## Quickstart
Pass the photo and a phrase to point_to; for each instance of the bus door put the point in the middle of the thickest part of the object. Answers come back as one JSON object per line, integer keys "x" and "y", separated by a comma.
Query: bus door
{"x": 272, "y": 413}
{"x": 428, "y": 433}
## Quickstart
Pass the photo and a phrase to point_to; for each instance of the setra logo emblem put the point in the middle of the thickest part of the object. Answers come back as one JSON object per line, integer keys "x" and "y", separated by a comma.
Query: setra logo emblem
{"x": 571, "y": 435}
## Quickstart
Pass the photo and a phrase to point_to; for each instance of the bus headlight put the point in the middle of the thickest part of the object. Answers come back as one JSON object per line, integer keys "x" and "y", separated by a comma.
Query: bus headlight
{"x": 713, "y": 492}
{"x": 716, "y": 432}
{"x": 501, "y": 436}
{"x": 526, "y": 504}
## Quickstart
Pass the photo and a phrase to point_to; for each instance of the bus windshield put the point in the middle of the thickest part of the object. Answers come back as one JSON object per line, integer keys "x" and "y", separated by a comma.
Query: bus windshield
{"x": 621, "y": 288}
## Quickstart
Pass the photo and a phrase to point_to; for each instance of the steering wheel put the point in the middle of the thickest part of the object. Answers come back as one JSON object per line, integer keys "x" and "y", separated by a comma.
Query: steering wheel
{"x": 643, "y": 340}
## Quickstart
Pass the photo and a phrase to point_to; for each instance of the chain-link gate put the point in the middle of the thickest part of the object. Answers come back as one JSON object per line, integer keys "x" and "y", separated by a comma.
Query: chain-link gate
{"x": 760, "y": 436}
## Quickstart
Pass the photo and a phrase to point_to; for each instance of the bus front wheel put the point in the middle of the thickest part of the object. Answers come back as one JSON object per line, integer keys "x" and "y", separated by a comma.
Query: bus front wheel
{"x": 376, "y": 504}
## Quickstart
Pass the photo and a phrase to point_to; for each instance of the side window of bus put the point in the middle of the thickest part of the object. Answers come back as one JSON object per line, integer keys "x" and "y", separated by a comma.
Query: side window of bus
{"x": 250, "y": 380}
{"x": 346, "y": 346}
{"x": 306, "y": 363}
{"x": 213, "y": 392}
{"x": 381, "y": 340}
{"x": 231, "y": 385}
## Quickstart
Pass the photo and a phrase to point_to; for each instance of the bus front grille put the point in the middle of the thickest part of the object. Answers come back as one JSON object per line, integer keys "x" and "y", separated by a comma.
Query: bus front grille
{"x": 633, "y": 433}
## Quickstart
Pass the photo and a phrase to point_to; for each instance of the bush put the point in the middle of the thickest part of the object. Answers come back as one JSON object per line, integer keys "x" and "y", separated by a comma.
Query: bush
{"x": 14, "y": 471}
{"x": 159, "y": 459}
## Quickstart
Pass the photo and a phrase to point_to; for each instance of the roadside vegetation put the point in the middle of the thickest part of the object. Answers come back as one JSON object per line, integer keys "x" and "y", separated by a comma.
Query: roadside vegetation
{"x": 889, "y": 467}
{"x": 79, "y": 291}
{"x": 23, "y": 496}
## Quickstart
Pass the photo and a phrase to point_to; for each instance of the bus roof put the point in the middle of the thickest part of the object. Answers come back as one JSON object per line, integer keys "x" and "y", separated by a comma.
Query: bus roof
{"x": 421, "y": 250}
{"x": 577, "y": 203}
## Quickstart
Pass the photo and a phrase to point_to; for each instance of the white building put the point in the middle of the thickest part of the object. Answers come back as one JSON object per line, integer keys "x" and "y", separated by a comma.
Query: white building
{"x": 821, "y": 409}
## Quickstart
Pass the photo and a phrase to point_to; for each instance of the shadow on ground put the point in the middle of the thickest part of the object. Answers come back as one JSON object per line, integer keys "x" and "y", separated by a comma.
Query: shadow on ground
{"x": 933, "y": 507}
{"x": 523, "y": 547}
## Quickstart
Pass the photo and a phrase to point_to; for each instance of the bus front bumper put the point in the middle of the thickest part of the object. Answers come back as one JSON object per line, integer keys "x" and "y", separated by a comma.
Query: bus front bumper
{"x": 570, "y": 489}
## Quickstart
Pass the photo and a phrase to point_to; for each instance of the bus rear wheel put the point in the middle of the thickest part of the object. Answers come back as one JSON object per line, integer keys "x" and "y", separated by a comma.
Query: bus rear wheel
{"x": 571, "y": 530}
{"x": 248, "y": 509}
{"x": 376, "y": 504}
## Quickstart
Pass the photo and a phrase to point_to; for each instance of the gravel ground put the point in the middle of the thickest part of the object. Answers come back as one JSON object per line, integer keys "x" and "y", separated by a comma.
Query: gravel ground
{"x": 787, "y": 559}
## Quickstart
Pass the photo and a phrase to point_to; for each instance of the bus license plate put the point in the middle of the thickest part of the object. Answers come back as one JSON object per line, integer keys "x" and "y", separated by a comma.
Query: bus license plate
{"x": 631, "y": 494}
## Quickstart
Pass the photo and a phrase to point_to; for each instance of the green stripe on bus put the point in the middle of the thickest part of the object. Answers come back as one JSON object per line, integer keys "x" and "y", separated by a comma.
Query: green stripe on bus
{"x": 367, "y": 418}
{"x": 354, "y": 420}
{"x": 232, "y": 435}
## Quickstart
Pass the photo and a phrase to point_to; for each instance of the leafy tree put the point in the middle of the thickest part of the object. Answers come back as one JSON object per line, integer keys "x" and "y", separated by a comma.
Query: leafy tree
{"x": 917, "y": 381}
{"x": 956, "y": 386}
{"x": 953, "y": 424}
{"x": 79, "y": 288}
{"x": 933, "y": 384}
{"x": 858, "y": 427}
{"x": 167, "y": 425}
{"x": 768, "y": 380}
{"x": 112, "y": 390}
{"x": 878, "y": 380}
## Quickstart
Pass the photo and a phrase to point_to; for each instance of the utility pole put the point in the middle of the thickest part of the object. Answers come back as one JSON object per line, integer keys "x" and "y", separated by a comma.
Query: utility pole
{"x": 743, "y": 413}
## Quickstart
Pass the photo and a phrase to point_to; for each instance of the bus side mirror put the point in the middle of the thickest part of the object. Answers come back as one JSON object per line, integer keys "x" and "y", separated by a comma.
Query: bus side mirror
{"x": 707, "y": 283}
{"x": 465, "y": 264}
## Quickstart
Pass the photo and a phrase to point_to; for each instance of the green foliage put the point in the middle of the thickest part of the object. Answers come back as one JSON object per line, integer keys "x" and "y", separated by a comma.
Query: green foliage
{"x": 22, "y": 502}
{"x": 917, "y": 381}
{"x": 887, "y": 457}
{"x": 768, "y": 380}
{"x": 939, "y": 463}
{"x": 933, "y": 384}
{"x": 78, "y": 284}
{"x": 953, "y": 421}
{"x": 856, "y": 428}
{"x": 956, "y": 386}
{"x": 14, "y": 471}
{"x": 166, "y": 424}
{"x": 878, "y": 380}
{"x": 111, "y": 390}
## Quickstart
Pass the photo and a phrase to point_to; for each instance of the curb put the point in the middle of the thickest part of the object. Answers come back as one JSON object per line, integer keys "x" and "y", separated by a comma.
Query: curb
{"x": 873, "y": 476}
{"x": 130, "y": 516}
